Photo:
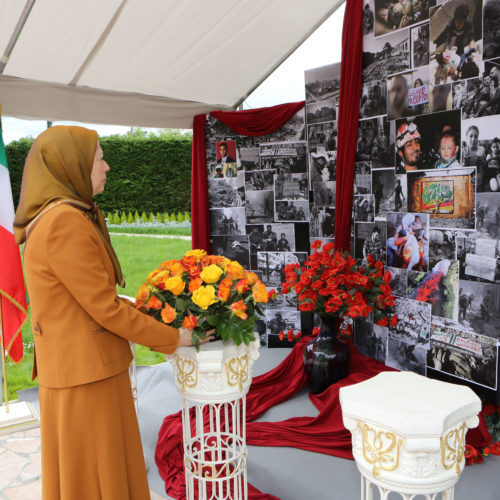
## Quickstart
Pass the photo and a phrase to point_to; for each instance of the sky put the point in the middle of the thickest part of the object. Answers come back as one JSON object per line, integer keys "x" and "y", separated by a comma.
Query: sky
{"x": 285, "y": 84}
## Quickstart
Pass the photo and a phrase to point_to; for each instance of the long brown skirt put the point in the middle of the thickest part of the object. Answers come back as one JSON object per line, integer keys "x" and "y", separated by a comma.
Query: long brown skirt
{"x": 91, "y": 446}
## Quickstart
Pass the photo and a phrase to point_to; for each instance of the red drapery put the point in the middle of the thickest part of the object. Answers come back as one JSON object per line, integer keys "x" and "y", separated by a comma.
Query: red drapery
{"x": 350, "y": 92}
{"x": 254, "y": 123}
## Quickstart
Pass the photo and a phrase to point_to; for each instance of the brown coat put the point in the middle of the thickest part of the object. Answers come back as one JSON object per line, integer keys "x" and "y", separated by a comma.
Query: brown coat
{"x": 80, "y": 327}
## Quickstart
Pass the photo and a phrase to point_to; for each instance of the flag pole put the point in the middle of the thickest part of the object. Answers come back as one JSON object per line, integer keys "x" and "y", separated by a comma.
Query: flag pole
{"x": 4, "y": 370}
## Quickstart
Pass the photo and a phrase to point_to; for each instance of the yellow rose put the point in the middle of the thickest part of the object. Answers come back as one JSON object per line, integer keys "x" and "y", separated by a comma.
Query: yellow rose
{"x": 175, "y": 284}
{"x": 197, "y": 253}
{"x": 224, "y": 262}
{"x": 204, "y": 296}
{"x": 211, "y": 274}
{"x": 156, "y": 275}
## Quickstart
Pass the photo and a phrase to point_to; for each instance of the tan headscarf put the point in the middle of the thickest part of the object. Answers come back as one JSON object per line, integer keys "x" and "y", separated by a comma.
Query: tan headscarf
{"x": 57, "y": 170}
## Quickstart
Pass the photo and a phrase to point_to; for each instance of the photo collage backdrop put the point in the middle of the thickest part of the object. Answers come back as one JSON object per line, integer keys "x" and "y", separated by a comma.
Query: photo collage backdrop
{"x": 270, "y": 197}
{"x": 427, "y": 184}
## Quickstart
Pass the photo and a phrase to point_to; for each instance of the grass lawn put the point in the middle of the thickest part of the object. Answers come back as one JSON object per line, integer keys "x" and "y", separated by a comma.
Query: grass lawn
{"x": 138, "y": 256}
{"x": 172, "y": 230}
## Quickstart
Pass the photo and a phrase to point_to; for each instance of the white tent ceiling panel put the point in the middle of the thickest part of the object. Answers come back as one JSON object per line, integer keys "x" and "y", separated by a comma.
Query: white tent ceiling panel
{"x": 57, "y": 37}
{"x": 90, "y": 58}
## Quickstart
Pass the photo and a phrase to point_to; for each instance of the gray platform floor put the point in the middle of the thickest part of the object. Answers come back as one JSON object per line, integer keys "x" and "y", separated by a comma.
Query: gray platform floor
{"x": 287, "y": 473}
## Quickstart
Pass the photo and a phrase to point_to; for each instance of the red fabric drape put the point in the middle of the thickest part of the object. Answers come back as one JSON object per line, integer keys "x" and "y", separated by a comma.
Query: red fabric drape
{"x": 324, "y": 433}
{"x": 254, "y": 123}
{"x": 350, "y": 93}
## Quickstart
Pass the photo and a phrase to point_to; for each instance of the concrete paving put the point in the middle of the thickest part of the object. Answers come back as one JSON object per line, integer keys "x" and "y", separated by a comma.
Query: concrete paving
{"x": 20, "y": 469}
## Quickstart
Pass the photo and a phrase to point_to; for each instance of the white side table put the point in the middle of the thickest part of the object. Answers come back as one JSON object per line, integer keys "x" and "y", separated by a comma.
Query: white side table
{"x": 215, "y": 381}
{"x": 408, "y": 433}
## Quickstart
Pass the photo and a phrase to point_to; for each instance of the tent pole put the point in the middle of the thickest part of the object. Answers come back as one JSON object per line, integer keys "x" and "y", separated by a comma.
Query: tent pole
{"x": 4, "y": 370}
{"x": 4, "y": 59}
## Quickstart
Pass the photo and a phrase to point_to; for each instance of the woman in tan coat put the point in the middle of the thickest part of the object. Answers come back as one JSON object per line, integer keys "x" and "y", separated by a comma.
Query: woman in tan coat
{"x": 91, "y": 447}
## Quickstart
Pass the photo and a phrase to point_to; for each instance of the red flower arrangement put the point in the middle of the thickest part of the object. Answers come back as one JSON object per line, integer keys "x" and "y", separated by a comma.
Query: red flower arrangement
{"x": 331, "y": 283}
{"x": 491, "y": 415}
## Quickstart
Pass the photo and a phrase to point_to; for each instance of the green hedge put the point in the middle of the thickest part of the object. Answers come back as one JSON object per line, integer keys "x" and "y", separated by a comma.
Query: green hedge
{"x": 150, "y": 174}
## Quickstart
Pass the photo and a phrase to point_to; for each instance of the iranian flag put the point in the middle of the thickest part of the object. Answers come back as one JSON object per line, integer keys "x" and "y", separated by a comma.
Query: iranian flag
{"x": 12, "y": 293}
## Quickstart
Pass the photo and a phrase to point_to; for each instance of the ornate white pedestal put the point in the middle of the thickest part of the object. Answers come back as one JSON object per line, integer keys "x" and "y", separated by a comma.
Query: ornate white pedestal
{"x": 408, "y": 433}
{"x": 213, "y": 384}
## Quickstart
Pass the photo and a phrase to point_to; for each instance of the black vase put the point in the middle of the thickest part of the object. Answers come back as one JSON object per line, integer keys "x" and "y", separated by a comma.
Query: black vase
{"x": 326, "y": 358}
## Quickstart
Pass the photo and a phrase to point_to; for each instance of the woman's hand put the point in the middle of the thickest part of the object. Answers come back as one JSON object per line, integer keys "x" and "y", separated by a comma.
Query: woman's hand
{"x": 185, "y": 337}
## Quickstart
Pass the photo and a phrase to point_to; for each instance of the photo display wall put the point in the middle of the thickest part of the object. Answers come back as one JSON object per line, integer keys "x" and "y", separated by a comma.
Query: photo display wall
{"x": 427, "y": 184}
{"x": 271, "y": 196}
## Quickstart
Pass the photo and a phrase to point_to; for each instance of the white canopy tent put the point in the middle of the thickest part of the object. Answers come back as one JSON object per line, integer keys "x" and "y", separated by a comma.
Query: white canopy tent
{"x": 153, "y": 63}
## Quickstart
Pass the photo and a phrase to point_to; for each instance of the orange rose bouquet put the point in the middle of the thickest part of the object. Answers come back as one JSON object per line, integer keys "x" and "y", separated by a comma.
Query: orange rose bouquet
{"x": 331, "y": 283}
{"x": 202, "y": 292}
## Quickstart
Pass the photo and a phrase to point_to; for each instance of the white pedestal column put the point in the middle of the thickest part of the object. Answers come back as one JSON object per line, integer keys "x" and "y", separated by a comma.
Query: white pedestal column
{"x": 213, "y": 384}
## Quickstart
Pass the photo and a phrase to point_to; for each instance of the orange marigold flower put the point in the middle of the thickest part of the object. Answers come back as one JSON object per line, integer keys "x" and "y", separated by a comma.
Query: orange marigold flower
{"x": 239, "y": 309}
{"x": 195, "y": 284}
{"x": 142, "y": 295}
{"x": 190, "y": 322}
{"x": 223, "y": 293}
{"x": 242, "y": 286}
{"x": 234, "y": 270}
{"x": 251, "y": 277}
{"x": 168, "y": 314}
{"x": 259, "y": 292}
{"x": 154, "y": 303}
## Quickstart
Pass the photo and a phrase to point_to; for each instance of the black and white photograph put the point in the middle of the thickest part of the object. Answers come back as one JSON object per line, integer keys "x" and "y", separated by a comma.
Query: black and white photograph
{"x": 479, "y": 307}
{"x": 322, "y": 166}
{"x": 442, "y": 245}
{"x": 479, "y": 259}
{"x": 271, "y": 237}
{"x": 392, "y": 16}
{"x": 373, "y": 99}
{"x": 478, "y": 96}
{"x": 291, "y": 187}
{"x": 419, "y": 46}
{"x": 413, "y": 325}
{"x": 272, "y": 266}
{"x": 233, "y": 247}
{"x": 259, "y": 180}
{"x": 385, "y": 56}
{"x": 455, "y": 40}
{"x": 281, "y": 321}
{"x": 389, "y": 191}
{"x": 322, "y": 111}
{"x": 399, "y": 281}
{"x": 323, "y": 135}
{"x": 465, "y": 355}
{"x": 406, "y": 357}
{"x": 321, "y": 222}
{"x": 364, "y": 207}
{"x": 226, "y": 192}
{"x": 447, "y": 195}
{"x": 227, "y": 221}
{"x": 295, "y": 258}
{"x": 488, "y": 215}
{"x": 259, "y": 206}
{"x": 293, "y": 130}
{"x": 283, "y": 301}
{"x": 408, "y": 93}
{"x": 368, "y": 18}
{"x": 373, "y": 143}
{"x": 323, "y": 83}
{"x": 369, "y": 239}
{"x": 491, "y": 23}
{"x": 292, "y": 211}
{"x": 324, "y": 193}
{"x": 215, "y": 129}
{"x": 481, "y": 148}
{"x": 408, "y": 240}
{"x": 440, "y": 97}
{"x": 439, "y": 287}
{"x": 249, "y": 156}
{"x": 284, "y": 157}
{"x": 371, "y": 339}
{"x": 362, "y": 177}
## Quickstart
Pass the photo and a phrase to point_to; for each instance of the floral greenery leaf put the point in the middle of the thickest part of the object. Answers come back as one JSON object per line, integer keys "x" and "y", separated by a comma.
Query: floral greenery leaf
{"x": 213, "y": 319}
{"x": 180, "y": 305}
